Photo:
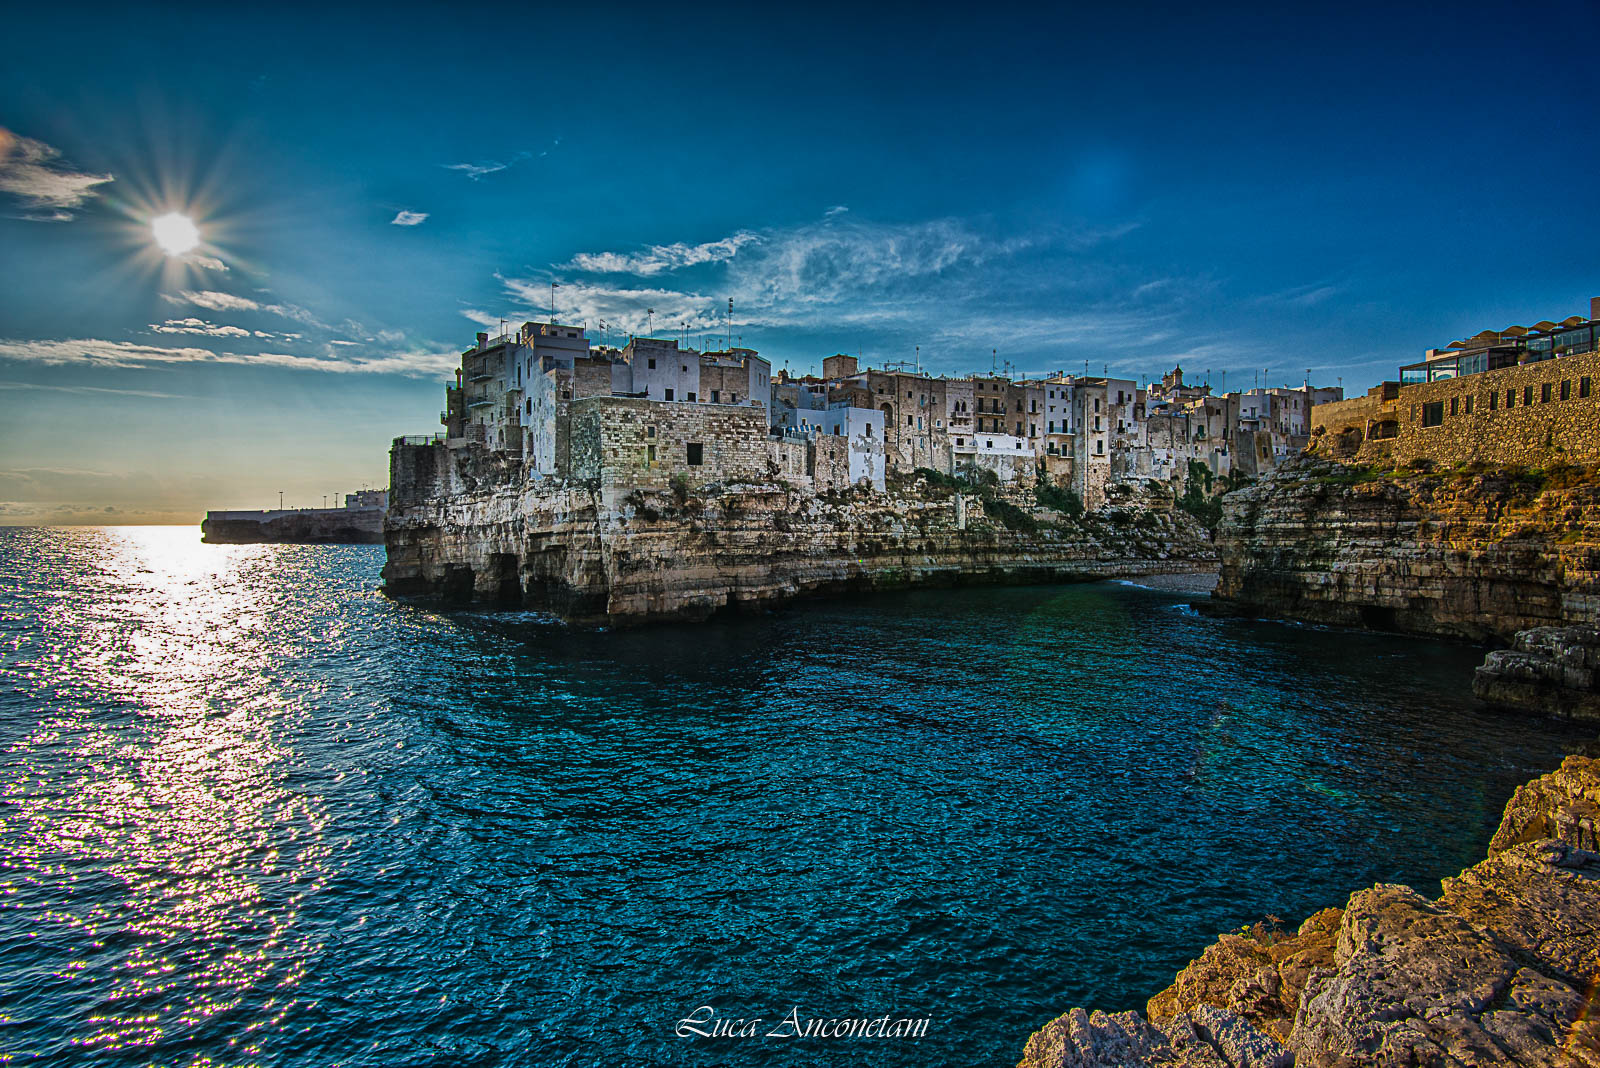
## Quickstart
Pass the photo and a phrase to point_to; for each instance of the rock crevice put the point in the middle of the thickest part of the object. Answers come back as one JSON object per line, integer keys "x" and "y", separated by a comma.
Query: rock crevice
{"x": 1501, "y": 968}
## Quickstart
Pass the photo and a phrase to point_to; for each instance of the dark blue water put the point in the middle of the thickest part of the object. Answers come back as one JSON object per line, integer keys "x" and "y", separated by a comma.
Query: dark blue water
{"x": 251, "y": 812}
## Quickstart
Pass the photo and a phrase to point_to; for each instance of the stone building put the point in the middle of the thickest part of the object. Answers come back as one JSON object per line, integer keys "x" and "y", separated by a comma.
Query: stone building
{"x": 1518, "y": 396}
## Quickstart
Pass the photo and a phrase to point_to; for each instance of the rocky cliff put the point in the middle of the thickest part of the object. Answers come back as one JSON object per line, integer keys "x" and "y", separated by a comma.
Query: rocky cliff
{"x": 610, "y": 555}
{"x": 1471, "y": 553}
{"x": 1548, "y": 670}
{"x": 1501, "y": 968}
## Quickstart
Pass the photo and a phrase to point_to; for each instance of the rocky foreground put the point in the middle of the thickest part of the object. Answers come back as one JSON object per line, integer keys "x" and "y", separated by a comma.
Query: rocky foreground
{"x": 1501, "y": 968}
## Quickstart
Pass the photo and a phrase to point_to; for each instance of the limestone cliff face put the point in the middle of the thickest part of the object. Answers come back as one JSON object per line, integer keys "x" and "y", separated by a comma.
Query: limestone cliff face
{"x": 1468, "y": 555}
{"x": 610, "y": 555}
{"x": 605, "y": 557}
{"x": 1499, "y": 969}
{"x": 1548, "y": 670}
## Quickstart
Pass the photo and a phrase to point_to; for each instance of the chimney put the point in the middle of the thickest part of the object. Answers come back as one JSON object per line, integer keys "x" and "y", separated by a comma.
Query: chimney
{"x": 483, "y": 339}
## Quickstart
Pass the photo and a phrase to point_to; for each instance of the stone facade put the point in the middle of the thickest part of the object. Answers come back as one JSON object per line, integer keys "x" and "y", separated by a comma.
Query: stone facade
{"x": 1533, "y": 415}
{"x": 629, "y": 441}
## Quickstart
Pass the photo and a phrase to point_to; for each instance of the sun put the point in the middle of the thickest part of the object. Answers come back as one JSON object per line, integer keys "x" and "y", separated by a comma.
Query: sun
{"x": 175, "y": 233}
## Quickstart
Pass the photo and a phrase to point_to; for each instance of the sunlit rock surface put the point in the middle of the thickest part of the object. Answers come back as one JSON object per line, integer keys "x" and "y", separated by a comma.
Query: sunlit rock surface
{"x": 616, "y": 556}
{"x": 1476, "y": 554}
{"x": 1501, "y": 968}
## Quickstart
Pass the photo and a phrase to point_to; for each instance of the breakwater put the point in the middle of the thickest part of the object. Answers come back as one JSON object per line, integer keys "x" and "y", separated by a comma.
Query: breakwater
{"x": 307, "y": 526}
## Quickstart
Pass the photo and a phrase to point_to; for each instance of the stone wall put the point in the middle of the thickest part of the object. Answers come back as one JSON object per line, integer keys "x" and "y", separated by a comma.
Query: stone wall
{"x": 1535, "y": 415}
{"x": 629, "y": 441}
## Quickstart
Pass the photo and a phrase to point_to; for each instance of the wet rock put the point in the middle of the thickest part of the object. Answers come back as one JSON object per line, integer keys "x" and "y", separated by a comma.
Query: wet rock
{"x": 1552, "y": 671}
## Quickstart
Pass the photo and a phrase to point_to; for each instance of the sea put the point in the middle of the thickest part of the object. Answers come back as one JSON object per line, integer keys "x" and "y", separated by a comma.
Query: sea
{"x": 253, "y": 812}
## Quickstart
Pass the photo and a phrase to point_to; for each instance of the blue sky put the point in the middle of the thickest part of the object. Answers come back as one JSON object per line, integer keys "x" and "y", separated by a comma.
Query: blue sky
{"x": 1245, "y": 189}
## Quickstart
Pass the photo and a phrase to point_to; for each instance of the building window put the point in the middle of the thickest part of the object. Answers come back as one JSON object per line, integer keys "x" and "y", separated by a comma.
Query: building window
{"x": 1455, "y": 406}
{"x": 650, "y": 455}
{"x": 1494, "y": 399}
{"x": 1433, "y": 413}
{"x": 716, "y": 396}
{"x": 1467, "y": 404}
{"x": 649, "y": 431}
{"x": 1099, "y": 445}
{"x": 690, "y": 396}
{"x": 1527, "y": 395}
{"x": 669, "y": 394}
{"x": 1585, "y": 386}
{"x": 1511, "y": 398}
{"x": 652, "y": 364}
{"x": 1566, "y": 389}
{"x": 530, "y": 407}
{"x": 1544, "y": 393}
{"x": 696, "y": 454}
{"x": 959, "y": 443}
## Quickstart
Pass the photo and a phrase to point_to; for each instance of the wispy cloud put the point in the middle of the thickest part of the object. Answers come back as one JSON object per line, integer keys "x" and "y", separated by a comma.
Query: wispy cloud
{"x": 40, "y": 387}
{"x": 414, "y": 363}
{"x": 198, "y": 326}
{"x": 483, "y": 168}
{"x": 1304, "y": 296}
{"x": 50, "y": 190}
{"x": 409, "y": 218}
{"x": 659, "y": 258}
{"x": 958, "y": 287}
{"x": 214, "y": 300}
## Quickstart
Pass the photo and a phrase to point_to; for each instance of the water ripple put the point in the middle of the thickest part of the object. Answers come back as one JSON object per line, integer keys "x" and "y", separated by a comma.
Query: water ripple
{"x": 251, "y": 812}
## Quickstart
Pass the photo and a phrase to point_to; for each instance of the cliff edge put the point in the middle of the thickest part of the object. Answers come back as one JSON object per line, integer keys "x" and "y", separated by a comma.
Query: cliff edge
{"x": 1474, "y": 552}
{"x": 605, "y": 555}
{"x": 1501, "y": 968}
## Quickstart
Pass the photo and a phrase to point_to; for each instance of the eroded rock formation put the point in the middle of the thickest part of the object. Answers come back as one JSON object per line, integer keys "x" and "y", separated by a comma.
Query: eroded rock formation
{"x": 1501, "y": 968}
{"x": 611, "y": 555}
{"x": 1548, "y": 670}
{"x": 1479, "y": 555}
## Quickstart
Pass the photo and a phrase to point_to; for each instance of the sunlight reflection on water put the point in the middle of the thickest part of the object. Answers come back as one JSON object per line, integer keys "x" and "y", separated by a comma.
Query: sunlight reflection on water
{"x": 253, "y": 812}
{"x": 174, "y": 797}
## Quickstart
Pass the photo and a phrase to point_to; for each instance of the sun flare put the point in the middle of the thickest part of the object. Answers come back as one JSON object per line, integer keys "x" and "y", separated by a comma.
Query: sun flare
{"x": 175, "y": 233}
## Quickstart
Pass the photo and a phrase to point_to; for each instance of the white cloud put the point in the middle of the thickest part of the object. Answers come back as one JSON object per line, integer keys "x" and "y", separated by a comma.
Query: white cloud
{"x": 215, "y": 300}
{"x": 409, "y": 218}
{"x": 39, "y": 387}
{"x": 210, "y": 263}
{"x": 100, "y": 353}
{"x": 659, "y": 258}
{"x": 31, "y": 171}
{"x": 197, "y": 326}
{"x": 210, "y": 298}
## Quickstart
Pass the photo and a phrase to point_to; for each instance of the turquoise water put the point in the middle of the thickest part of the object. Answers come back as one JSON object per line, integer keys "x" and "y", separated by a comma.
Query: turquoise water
{"x": 252, "y": 812}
